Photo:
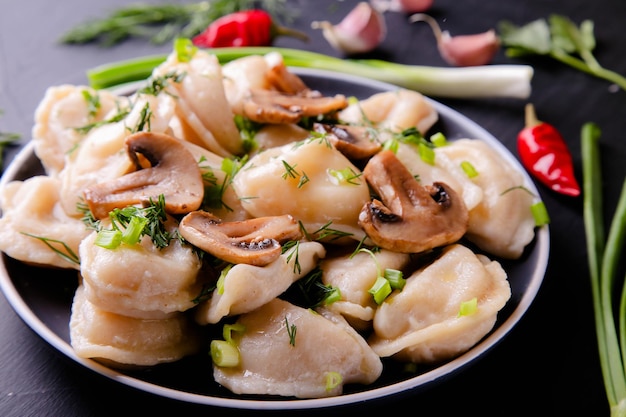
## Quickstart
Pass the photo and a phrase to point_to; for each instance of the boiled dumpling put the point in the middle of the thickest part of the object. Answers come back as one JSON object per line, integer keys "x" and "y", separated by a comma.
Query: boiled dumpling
{"x": 354, "y": 275}
{"x": 502, "y": 224}
{"x": 301, "y": 179}
{"x": 58, "y": 116}
{"x": 123, "y": 341}
{"x": 141, "y": 280}
{"x": 32, "y": 206}
{"x": 247, "y": 287}
{"x": 422, "y": 323}
{"x": 203, "y": 114}
{"x": 321, "y": 346}
{"x": 392, "y": 111}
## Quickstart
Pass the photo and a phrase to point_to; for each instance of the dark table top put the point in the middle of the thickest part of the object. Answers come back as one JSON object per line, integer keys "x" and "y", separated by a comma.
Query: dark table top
{"x": 547, "y": 364}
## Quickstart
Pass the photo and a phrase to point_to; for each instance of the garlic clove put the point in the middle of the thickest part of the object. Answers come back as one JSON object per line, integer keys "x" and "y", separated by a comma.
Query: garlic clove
{"x": 469, "y": 50}
{"x": 360, "y": 31}
{"x": 462, "y": 50}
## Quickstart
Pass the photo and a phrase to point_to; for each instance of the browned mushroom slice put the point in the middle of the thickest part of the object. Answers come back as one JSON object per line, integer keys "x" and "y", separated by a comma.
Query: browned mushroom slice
{"x": 355, "y": 142}
{"x": 172, "y": 172}
{"x": 411, "y": 218}
{"x": 268, "y": 106}
{"x": 255, "y": 241}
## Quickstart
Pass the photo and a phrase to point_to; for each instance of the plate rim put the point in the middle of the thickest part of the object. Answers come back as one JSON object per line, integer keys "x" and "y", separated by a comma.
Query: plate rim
{"x": 495, "y": 336}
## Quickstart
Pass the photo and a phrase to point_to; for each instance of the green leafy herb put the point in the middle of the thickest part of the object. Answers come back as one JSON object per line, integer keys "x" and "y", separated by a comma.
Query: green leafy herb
{"x": 291, "y": 331}
{"x": 558, "y": 38}
{"x": 291, "y": 172}
{"x": 64, "y": 251}
{"x": 163, "y": 22}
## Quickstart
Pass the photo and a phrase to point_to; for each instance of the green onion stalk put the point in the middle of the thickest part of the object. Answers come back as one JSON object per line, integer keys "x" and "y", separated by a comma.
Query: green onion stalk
{"x": 604, "y": 254}
{"x": 487, "y": 81}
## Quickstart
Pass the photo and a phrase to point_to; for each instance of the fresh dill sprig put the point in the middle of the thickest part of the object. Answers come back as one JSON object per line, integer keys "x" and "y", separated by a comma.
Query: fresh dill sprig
{"x": 64, "y": 252}
{"x": 161, "y": 23}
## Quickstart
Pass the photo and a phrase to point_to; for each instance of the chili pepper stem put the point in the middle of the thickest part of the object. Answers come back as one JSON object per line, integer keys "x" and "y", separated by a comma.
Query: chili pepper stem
{"x": 530, "y": 116}
{"x": 278, "y": 30}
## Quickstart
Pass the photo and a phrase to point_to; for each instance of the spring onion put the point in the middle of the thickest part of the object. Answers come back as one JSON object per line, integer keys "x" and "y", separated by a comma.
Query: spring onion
{"x": 604, "y": 254}
{"x": 486, "y": 81}
{"x": 224, "y": 354}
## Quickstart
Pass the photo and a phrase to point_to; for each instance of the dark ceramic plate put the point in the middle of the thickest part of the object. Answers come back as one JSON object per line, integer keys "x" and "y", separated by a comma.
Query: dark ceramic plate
{"x": 43, "y": 297}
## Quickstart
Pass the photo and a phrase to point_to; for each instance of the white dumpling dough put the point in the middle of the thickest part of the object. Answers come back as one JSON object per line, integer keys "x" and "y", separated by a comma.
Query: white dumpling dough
{"x": 270, "y": 364}
{"x": 62, "y": 110}
{"x": 140, "y": 280}
{"x": 502, "y": 224}
{"x": 266, "y": 188}
{"x": 202, "y": 110}
{"x": 119, "y": 340}
{"x": 32, "y": 206}
{"x": 392, "y": 111}
{"x": 247, "y": 287}
{"x": 354, "y": 275}
{"x": 421, "y": 323}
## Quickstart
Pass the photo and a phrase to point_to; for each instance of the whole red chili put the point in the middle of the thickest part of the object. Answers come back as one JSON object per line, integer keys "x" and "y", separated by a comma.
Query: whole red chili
{"x": 244, "y": 28}
{"x": 546, "y": 156}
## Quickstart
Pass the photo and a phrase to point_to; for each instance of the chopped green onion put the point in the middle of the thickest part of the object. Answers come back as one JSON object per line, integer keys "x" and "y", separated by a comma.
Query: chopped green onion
{"x": 332, "y": 380}
{"x": 134, "y": 230}
{"x": 380, "y": 290}
{"x": 395, "y": 278}
{"x": 468, "y": 307}
{"x": 391, "y": 145}
{"x": 228, "y": 329}
{"x": 185, "y": 49}
{"x": 109, "y": 239}
{"x": 540, "y": 214}
{"x": 455, "y": 82}
{"x": 224, "y": 354}
{"x": 469, "y": 169}
{"x": 334, "y": 294}
{"x": 222, "y": 278}
{"x": 439, "y": 140}
{"x": 426, "y": 153}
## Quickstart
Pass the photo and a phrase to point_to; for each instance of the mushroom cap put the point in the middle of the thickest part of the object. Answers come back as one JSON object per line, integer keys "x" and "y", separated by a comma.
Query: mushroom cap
{"x": 171, "y": 171}
{"x": 355, "y": 142}
{"x": 411, "y": 218}
{"x": 254, "y": 241}
{"x": 270, "y": 106}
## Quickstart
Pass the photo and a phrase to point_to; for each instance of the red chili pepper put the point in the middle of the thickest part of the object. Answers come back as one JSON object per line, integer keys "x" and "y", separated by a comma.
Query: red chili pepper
{"x": 244, "y": 28}
{"x": 546, "y": 156}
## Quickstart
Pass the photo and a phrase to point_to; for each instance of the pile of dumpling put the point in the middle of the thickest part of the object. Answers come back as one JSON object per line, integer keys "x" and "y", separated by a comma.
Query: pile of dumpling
{"x": 140, "y": 305}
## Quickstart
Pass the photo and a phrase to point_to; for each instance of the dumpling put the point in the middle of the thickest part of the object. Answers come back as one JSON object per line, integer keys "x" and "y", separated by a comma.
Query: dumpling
{"x": 354, "y": 275}
{"x": 301, "y": 179}
{"x": 203, "y": 113}
{"x": 141, "y": 280}
{"x": 392, "y": 111}
{"x": 122, "y": 341}
{"x": 422, "y": 323}
{"x": 247, "y": 287}
{"x": 502, "y": 224}
{"x": 62, "y": 110}
{"x": 321, "y": 347}
{"x": 32, "y": 206}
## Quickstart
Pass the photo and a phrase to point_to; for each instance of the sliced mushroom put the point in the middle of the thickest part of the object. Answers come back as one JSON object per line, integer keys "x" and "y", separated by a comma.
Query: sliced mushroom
{"x": 269, "y": 106}
{"x": 355, "y": 142}
{"x": 171, "y": 172}
{"x": 411, "y": 218}
{"x": 255, "y": 241}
